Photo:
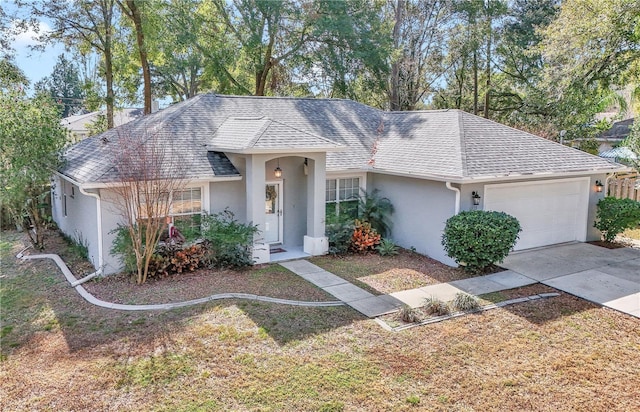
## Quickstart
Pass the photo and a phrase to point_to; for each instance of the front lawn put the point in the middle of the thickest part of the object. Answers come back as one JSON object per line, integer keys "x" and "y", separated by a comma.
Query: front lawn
{"x": 388, "y": 274}
{"x": 60, "y": 353}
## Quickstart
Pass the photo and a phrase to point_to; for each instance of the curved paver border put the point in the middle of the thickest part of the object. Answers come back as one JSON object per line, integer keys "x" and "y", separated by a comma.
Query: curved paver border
{"x": 164, "y": 306}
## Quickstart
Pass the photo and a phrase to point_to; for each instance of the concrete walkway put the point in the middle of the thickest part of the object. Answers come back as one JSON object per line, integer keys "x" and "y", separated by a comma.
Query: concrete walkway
{"x": 359, "y": 299}
{"x": 473, "y": 286}
{"x": 609, "y": 277}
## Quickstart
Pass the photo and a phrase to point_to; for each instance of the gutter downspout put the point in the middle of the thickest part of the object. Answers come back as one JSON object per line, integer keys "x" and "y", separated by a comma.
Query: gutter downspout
{"x": 457, "y": 191}
{"x": 100, "y": 252}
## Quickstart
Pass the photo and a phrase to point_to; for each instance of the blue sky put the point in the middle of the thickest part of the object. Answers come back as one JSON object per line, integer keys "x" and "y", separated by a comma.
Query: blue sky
{"x": 34, "y": 64}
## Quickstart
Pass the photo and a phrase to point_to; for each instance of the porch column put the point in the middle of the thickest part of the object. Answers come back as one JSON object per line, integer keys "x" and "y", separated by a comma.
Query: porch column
{"x": 255, "y": 179}
{"x": 315, "y": 242}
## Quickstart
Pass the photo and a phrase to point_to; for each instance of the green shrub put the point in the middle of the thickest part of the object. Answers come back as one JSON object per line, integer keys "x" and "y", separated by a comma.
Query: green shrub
{"x": 465, "y": 302}
{"x": 376, "y": 210}
{"x": 476, "y": 239}
{"x": 614, "y": 216}
{"x": 387, "y": 248}
{"x": 339, "y": 230}
{"x": 229, "y": 242}
{"x": 122, "y": 246}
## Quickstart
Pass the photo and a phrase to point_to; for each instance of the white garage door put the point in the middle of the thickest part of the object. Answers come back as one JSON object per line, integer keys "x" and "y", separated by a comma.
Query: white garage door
{"x": 549, "y": 211}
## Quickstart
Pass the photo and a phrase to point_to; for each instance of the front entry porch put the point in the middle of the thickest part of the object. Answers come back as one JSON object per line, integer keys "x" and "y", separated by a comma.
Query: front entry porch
{"x": 285, "y": 195}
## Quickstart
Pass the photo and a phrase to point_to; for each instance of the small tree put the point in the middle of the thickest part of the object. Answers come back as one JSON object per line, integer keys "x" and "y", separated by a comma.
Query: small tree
{"x": 148, "y": 172}
{"x": 31, "y": 138}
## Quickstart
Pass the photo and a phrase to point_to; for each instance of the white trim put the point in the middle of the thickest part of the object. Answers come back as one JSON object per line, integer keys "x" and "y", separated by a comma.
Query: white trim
{"x": 488, "y": 179}
{"x": 115, "y": 184}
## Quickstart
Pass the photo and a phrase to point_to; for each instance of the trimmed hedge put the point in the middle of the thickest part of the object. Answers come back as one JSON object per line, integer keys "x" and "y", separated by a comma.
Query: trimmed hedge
{"x": 477, "y": 239}
{"x": 614, "y": 216}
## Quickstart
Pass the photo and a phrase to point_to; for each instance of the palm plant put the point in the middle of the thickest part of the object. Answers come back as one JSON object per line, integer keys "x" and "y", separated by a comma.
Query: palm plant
{"x": 376, "y": 210}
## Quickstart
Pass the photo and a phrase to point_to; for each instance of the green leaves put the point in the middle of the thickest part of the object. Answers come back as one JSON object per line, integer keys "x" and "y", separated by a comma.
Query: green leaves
{"x": 614, "y": 216}
{"x": 31, "y": 138}
{"x": 477, "y": 239}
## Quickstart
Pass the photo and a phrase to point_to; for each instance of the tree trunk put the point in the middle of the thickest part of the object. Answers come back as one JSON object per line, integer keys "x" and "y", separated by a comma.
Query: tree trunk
{"x": 487, "y": 94}
{"x": 108, "y": 74}
{"x": 133, "y": 12}
{"x": 394, "y": 97}
{"x": 475, "y": 81}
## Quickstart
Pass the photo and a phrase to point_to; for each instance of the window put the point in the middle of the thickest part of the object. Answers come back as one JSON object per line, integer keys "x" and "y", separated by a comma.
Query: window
{"x": 186, "y": 209}
{"x": 342, "y": 196}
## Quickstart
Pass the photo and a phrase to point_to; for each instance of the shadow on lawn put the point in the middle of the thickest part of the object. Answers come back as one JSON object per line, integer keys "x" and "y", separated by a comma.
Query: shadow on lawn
{"x": 541, "y": 311}
{"x": 37, "y": 298}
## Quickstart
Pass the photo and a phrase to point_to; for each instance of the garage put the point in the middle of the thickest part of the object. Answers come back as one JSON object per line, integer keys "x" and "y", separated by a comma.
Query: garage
{"x": 549, "y": 211}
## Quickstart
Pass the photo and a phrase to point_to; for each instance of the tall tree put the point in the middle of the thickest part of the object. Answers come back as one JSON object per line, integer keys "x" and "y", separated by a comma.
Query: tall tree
{"x": 64, "y": 86}
{"x": 419, "y": 36}
{"x": 31, "y": 138}
{"x": 82, "y": 24}
{"x": 588, "y": 49}
{"x": 134, "y": 11}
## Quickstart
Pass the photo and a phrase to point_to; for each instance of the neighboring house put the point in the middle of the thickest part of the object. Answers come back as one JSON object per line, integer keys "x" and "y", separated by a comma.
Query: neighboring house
{"x": 428, "y": 163}
{"x": 610, "y": 139}
{"x": 78, "y": 124}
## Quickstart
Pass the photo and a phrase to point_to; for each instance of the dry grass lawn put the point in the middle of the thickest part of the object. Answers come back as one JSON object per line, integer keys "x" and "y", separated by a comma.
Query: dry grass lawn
{"x": 60, "y": 353}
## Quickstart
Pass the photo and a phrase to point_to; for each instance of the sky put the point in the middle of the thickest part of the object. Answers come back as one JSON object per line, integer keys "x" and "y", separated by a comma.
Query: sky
{"x": 34, "y": 64}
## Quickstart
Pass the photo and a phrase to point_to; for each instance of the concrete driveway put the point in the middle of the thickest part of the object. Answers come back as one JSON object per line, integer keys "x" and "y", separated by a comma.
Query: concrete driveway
{"x": 609, "y": 277}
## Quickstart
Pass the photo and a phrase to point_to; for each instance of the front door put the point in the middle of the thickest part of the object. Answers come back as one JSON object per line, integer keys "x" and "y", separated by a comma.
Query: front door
{"x": 273, "y": 213}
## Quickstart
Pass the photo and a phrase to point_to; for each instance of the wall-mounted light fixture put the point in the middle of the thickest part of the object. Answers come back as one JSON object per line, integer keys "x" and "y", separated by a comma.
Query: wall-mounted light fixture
{"x": 305, "y": 167}
{"x": 599, "y": 186}
{"x": 278, "y": 172}
{"x": 476, "y": 198}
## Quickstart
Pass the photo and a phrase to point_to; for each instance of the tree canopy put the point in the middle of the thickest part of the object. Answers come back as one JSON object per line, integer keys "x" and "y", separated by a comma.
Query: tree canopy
{"x": 546, "y": 66}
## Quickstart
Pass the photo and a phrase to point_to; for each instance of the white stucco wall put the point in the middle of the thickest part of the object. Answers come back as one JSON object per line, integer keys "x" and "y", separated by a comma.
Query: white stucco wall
{"x": 421, "y": 209}
{"x": 111, "y": 217}
{"x": 294, "y": 197}
{"x": 80, "y": 220}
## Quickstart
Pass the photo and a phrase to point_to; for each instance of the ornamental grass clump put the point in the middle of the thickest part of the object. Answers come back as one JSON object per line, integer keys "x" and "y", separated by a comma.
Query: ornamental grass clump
{"x": 465, "y": 302}
{"x": 409, "y": 315}
{"x": 477, "y": 239}
{"x": 435, "y": 307}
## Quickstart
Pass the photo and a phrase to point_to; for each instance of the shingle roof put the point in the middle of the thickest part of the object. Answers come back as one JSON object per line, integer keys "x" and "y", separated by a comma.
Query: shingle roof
{"x": 246, "y": 134}
{"x": 441, "y": 144}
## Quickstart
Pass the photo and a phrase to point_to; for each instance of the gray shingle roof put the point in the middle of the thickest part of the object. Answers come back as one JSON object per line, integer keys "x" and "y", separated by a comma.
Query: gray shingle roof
{"x": 263, "y": 134}
{"x": 442, "y": 144}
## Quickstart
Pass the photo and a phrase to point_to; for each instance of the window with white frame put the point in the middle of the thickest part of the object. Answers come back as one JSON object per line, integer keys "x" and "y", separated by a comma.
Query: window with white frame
{"x": 342, "y": 196}
{"x": 186, "y": 209}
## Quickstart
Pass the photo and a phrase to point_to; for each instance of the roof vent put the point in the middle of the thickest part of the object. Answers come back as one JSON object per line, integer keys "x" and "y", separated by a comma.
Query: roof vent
{"x": 104, "y": 140}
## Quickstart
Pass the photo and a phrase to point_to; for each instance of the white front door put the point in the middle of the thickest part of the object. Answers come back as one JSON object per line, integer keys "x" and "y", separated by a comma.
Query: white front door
{"x": 273, "y": 213}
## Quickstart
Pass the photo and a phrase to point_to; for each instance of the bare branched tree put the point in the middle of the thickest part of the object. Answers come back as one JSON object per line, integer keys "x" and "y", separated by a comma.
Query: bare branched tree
{"x": 147, "y": 174}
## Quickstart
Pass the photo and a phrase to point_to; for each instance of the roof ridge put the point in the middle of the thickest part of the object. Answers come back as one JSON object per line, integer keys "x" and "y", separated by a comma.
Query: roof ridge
{"x": 236, "y": 96}
{"x": 266, "y": 122}
{"x": 304, "y": 131}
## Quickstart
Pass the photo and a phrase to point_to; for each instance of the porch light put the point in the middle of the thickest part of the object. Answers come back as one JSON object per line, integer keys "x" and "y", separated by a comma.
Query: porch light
{"x": 278, "y": 172}
{"x": 599, "y": 186}
{"x": 476, "y": 198}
